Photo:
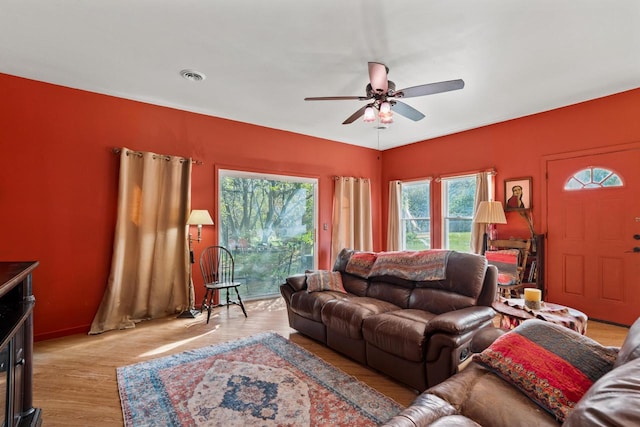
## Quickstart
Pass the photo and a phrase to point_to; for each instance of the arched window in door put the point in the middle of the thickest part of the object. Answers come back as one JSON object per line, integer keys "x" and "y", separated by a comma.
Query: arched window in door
{"x": 593, "y": 177}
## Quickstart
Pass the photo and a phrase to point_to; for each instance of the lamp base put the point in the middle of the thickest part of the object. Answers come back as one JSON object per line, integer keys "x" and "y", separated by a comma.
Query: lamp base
{"x": 189, "y": 314}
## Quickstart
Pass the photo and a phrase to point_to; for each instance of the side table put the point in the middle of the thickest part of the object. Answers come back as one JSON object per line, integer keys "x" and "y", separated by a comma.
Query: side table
{"x": 513, "y": 312}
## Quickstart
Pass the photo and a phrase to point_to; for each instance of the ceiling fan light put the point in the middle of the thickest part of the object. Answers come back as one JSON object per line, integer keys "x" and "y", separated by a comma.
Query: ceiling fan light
{"x": 369, "y": 115}
{"x": 385, "y": 107}
{"x": 386, "y": 118}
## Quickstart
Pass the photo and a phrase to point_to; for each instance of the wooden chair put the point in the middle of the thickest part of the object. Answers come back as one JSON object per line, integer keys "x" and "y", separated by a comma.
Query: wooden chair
{"x": 523, "y": 247}
{"x": 217, "y": 266}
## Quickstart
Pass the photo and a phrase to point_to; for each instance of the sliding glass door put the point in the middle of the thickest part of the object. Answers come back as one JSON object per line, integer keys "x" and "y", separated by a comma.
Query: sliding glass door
{"x": 269, "y": 224}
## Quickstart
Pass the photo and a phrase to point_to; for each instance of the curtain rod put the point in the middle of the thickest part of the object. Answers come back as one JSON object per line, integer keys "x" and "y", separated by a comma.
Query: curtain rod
{"x": 355, "y": 178}
{"x": 490, "y": 171}
{"x": 156, "y": 156}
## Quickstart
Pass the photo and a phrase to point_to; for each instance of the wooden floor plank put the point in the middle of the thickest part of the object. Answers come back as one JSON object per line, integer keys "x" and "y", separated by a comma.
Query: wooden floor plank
{"x": 75, "y": 376}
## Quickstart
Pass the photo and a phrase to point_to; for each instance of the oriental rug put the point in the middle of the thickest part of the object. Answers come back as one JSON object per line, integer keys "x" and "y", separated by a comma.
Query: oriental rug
{"x": 263, "y": 380}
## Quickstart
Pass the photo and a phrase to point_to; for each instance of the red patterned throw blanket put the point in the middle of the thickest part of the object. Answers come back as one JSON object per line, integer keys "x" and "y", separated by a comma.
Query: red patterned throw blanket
{"x": 409, "y": 265}
{"x": 360, "y": 263}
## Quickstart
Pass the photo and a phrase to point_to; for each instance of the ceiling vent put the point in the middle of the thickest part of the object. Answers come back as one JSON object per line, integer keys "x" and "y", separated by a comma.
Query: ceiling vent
{"x": 192, "y": 75}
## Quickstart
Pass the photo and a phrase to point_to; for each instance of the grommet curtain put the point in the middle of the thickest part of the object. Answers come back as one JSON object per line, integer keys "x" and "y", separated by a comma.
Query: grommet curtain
{"x": 352, "y": 226}
{"x": 149, "y": 276}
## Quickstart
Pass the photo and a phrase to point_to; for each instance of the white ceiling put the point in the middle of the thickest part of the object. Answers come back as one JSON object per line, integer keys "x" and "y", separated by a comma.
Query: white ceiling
{"x": 261, "y": 58}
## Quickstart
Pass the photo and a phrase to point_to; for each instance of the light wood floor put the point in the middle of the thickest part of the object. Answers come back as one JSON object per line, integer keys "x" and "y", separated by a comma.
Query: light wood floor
{"x": 75, "y": 376}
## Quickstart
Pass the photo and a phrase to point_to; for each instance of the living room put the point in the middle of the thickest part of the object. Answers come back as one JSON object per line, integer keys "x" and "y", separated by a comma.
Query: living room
{"x": 61, "y": 176}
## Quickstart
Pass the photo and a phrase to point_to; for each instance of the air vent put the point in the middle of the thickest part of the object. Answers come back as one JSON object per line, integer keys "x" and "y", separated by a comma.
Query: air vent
{"x": 192, "y": 75}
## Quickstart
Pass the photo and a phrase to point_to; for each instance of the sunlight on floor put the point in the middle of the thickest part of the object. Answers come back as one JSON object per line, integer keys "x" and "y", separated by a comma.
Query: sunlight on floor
{"x": 172, "y": 346}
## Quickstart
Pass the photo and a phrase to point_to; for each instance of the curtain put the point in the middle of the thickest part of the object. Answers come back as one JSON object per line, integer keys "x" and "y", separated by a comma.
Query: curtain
{"x": 482, "y": 194}
{"x": 394, "y": 232}
{"x": 351, "y": 215}
{"x": 149, "y": 268}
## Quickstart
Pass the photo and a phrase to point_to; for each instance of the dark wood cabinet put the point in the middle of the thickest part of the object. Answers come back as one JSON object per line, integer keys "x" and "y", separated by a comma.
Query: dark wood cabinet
{"x": 16, "y": 345}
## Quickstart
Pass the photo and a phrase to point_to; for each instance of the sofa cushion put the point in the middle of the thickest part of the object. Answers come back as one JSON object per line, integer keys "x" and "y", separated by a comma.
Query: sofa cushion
{"x": 309, "y": 305}
{"x": 553, "y": 365}
{"x": 324, "y": 281}
{"x": 346, "y": 316}
{"x": 399, "y": 332}
{"x": 614, "y": 400}
{"x": 479, "y": 394}
{"x": 630, "y": 349}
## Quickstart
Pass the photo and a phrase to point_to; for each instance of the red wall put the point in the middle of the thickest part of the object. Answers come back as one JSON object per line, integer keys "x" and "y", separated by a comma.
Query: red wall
{"x": 59, "y": 182}
{"x": 515, "y": 148}
{"x": 59, "y": 177}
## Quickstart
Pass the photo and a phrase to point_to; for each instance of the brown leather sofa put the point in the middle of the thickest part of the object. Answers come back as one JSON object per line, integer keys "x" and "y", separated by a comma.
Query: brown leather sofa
{"x": 416, "y": 331}
{"x": 479, "y": 397}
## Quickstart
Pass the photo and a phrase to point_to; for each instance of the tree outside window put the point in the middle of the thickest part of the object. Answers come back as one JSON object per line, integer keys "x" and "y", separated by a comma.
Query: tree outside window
{"x": 415, "y": 217}
{"x": 458, "y": 201}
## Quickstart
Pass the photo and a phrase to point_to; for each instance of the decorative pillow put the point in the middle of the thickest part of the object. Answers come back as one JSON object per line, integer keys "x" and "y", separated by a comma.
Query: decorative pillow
{"x": 506, "y": 261}
{"x": 553, "y": 365}
{"x": 324, "y": 281}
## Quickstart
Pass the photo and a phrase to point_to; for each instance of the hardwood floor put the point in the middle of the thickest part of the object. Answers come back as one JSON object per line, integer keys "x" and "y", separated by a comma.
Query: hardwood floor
{"x": 75, "y": 376}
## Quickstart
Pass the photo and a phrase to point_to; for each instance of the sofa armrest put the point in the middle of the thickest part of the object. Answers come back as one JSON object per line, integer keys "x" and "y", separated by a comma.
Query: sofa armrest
{"x": 426, "y": 409}
{"x": 460, "y": 321}
{"x": 298, "y": 282}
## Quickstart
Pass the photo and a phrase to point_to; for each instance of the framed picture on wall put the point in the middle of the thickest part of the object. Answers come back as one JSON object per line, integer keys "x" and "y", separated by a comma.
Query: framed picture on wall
{"x": 517, "y": 194}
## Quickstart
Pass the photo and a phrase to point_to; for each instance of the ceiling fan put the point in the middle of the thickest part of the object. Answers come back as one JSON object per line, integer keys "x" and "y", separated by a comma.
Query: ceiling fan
{"x": 383, "y": 95}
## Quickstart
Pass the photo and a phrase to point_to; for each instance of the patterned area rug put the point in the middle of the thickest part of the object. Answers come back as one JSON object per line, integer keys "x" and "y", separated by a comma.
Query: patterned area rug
{"x": 264, "y": 380}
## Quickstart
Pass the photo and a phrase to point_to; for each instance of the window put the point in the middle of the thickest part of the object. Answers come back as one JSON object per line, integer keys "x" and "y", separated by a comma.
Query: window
{"x": 415, "y": 218}
{"x": 458, "y": 201}
{"x": 593, "y": 177}
{"x": 268, "y": 222}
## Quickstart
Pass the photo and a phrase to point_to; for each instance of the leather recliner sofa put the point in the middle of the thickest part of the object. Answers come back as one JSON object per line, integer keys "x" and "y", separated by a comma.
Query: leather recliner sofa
{"x": 481, "y": 396}
{"x": 414, "y": 328}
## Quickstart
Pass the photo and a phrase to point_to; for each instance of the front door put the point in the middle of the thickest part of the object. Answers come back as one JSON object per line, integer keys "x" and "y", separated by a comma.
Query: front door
{"x": 593, "y": 229}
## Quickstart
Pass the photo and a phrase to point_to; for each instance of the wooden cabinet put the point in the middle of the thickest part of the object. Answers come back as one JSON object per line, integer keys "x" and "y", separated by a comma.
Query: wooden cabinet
{"x": 16, "y": 345}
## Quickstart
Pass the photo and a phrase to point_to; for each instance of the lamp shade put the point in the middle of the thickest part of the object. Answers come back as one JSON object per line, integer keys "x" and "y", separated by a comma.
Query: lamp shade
{"x": 490, "y": 213}
{"x": 200, "y": 217}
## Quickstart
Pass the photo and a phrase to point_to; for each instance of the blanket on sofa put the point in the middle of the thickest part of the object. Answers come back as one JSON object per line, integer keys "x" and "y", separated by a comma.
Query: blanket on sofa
{"x": 409, "y": 265}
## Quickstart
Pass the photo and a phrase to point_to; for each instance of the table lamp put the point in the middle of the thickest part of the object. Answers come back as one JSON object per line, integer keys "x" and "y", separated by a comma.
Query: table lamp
{"x": 489, "y": 213}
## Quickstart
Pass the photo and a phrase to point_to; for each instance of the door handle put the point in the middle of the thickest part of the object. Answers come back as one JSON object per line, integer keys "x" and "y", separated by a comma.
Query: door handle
{"x": 634, "y": 250}
{"x": 636, "y": 236}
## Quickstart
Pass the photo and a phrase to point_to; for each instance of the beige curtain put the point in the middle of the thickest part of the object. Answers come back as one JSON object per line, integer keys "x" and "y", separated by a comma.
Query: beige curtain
{"x": 149, "y": 276}
{"x": 394, "y": 227}
{"x": 351, "y": 215}
{"x": 483, "y": 188}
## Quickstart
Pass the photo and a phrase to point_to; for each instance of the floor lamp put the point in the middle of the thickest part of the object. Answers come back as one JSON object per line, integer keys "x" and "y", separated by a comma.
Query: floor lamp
{"x": 199, "y": 218}
{"x": 489, "y": 213}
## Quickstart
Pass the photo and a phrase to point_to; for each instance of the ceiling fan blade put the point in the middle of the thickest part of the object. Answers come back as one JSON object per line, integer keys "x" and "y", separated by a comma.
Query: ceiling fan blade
{"x": 430, "y": 88}
{"x": 336, "y": 98}
{"x": 352, "y": 118}
{"x": 406, "y": 110}
{"x": 378, "y": 77}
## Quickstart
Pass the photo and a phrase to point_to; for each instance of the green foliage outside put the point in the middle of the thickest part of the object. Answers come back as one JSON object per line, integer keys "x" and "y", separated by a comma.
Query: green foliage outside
{"x": 268, "y": 226}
